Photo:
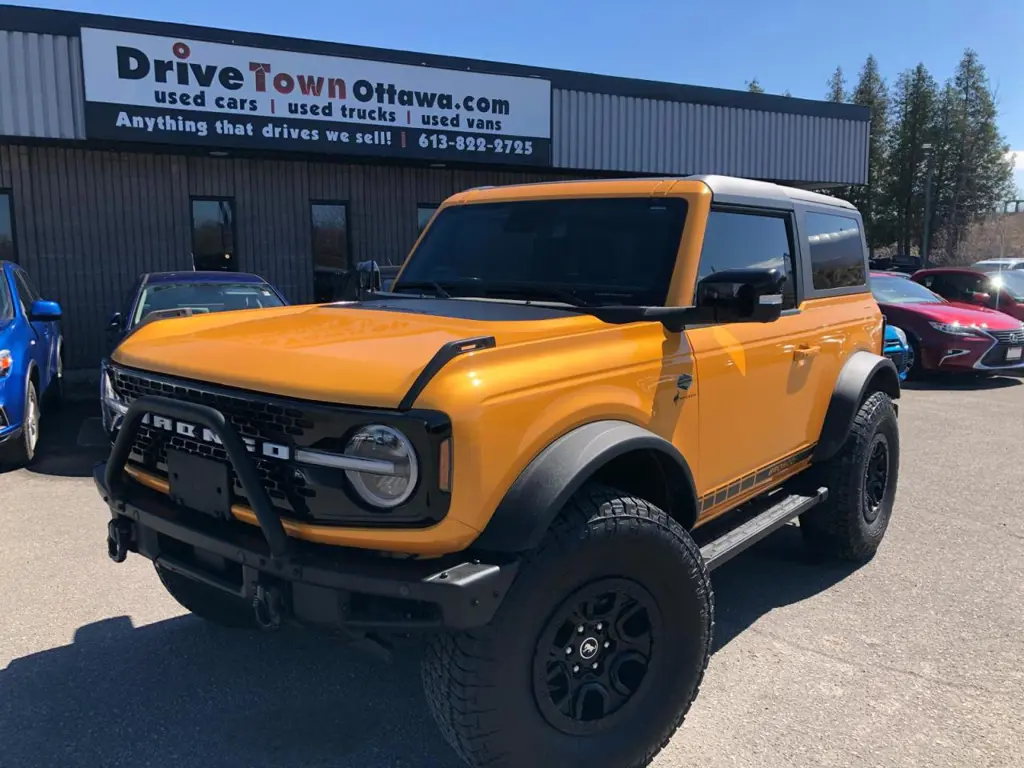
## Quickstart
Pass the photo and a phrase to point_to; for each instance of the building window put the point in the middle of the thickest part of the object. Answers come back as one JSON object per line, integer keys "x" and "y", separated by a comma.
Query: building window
{"x": 735, "y": 240}
{"x": 330, "y": 249}
{"x": 213, "y": 234}
{"x": 837, "y": 251}
{"x": 7, "y": 252}
{"x": 423, "y": 213}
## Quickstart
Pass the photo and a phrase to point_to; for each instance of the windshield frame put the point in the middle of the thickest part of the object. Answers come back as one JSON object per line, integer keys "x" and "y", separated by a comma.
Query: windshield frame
{"x": 590, "y": 295}
{"x": 875, "y": 279}
{"x": 137, "y": 316}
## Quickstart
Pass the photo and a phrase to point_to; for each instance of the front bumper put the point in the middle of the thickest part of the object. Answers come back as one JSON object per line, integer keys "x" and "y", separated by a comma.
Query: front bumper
{"x": 315, "y": 584}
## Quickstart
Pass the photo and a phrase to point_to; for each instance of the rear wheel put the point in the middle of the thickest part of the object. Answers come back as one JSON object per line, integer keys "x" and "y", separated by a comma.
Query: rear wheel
{"x": 861, "y": 479}
{"x": 597, "y": 652}
{"x": 207, "y": 602}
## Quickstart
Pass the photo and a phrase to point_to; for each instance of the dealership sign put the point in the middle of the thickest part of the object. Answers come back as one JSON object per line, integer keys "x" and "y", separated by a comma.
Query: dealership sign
{"x": 172, "y": 90}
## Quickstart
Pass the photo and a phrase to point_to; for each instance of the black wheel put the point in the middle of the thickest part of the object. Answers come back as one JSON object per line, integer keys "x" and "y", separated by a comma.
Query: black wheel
{"x": 861, "y": 479}
{"x": 22, "y": 452}
{"x": 915, "y": 371}
{"x": 597, "y": 652}
{"x": 206, "y": 602}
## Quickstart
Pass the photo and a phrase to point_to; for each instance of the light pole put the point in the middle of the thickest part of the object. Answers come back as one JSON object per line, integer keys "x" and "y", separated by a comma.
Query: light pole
{"x": 927, "y": 205}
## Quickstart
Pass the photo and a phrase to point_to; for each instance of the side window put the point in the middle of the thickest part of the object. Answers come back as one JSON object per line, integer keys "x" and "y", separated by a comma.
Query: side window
{"x": 837, "y": 251}
{"x": 27, "y": 293}
{"x": 735, "y": 240}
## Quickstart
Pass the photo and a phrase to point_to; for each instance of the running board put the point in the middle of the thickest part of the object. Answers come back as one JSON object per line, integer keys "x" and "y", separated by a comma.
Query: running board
{"x": 730, "y": 544}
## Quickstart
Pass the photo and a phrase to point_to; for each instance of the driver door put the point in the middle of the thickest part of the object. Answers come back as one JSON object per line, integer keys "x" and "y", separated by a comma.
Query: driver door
{"x": 756, "y": 379}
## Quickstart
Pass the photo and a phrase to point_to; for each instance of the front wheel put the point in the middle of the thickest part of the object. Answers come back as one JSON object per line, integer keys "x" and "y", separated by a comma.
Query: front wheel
{"x": 21, "y": 452}
{"x": 861, "y": 479}
{"x": 597, "y": 653}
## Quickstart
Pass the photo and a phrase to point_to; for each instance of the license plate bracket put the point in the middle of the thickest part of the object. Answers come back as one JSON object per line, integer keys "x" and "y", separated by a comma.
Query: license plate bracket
{"x": 200, "y": 484}
{"x": 1014, "y": 354}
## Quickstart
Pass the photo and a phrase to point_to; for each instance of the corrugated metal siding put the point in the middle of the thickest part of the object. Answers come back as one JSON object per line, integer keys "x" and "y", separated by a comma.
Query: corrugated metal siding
{"x": 594, "y": 131}
{"x": 41, "y": 91}
{"x": 41, "y": 95}
{"x": 87, "y": 223}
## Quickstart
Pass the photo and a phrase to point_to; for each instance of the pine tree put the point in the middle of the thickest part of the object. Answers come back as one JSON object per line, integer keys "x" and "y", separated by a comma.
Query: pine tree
{"x": 871, "y": 92}
{"x": 837, "y": 86}
{"x": 975, "y": 174}
{"x": 913, "y": 111}
{"x": 754, "y": 86}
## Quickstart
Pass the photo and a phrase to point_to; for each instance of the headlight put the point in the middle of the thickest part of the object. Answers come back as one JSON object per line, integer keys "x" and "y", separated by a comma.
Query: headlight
{"x": 901, "y": 335}
{"x": 955, "y": 329}
{"x": 108, "y": 396}
{"x": 6, "y": 362}
{"x": 385, "y": 469}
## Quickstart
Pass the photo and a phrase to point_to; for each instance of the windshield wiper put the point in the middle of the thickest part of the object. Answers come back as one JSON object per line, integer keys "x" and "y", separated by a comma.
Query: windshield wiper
{"x": 564, "y": 295}
{"x": 421, "y": 284}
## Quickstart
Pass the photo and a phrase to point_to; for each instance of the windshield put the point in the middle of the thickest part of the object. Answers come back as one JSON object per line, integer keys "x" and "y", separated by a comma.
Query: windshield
{"x": 900, "y": 290}
{"x": 1011, "y": 280}
{"x": 577, "y": 251}
{"x": 204, "y": 297}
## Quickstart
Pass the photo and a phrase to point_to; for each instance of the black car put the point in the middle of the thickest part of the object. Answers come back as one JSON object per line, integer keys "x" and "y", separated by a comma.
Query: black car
{"x": 170, "y": 293}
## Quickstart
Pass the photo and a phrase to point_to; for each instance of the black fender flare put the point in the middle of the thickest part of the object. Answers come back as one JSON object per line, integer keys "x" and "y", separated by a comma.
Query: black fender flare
{"x": 542, "y": 489}
{"x": 864, "y": 372}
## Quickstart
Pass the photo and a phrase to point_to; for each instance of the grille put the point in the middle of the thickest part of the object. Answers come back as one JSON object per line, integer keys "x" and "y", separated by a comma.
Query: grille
{"x": 896, "y": 357}
{"x": 259, "y": 420}
{"x": 1010, "y": 338}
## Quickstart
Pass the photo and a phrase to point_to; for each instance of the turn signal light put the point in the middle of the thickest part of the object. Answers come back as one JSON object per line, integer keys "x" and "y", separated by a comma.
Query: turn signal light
{"x": 444, "y": 466}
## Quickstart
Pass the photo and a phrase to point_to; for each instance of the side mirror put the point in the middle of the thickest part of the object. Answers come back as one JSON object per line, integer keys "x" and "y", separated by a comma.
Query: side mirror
{"x": 44, "y": 311}
{"x": 742, "y": 295}
{"x": 115, "y": 323}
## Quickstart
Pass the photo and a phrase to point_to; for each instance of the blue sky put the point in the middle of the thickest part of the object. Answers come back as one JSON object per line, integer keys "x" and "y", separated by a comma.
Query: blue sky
{"x": 792, "y": 45}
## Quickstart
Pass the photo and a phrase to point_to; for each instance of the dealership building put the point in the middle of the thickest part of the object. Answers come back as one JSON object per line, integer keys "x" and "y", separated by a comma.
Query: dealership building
{"x": 130, "y": 146}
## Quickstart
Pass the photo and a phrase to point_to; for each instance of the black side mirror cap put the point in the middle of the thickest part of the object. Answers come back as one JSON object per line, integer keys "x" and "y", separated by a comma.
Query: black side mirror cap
{"x": 743, "y": 295}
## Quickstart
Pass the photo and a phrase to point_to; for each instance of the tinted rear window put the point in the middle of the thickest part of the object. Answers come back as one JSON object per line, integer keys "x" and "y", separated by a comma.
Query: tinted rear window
{"x": 607, "y": 250}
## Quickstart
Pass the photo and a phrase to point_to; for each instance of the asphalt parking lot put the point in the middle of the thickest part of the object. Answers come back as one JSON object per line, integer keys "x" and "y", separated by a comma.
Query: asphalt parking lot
{"x": 916, "y": 659}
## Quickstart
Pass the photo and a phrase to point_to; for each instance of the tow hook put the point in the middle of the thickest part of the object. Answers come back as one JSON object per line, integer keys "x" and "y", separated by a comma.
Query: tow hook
{"x": 266, "y": 605}
{"x": 119, "y": 535}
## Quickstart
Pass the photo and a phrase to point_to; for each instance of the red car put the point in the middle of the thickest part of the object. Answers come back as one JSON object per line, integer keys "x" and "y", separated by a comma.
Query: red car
{"x": 977, "y": 286}
{"x": 945, "y": 336}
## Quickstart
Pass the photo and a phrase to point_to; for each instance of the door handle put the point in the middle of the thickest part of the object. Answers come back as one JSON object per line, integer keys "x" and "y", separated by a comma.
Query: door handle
{"x": 804, "y": 352}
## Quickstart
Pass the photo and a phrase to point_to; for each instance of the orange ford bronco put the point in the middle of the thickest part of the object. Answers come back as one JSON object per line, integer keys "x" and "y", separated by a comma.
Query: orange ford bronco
{"x": 521, "y": 446}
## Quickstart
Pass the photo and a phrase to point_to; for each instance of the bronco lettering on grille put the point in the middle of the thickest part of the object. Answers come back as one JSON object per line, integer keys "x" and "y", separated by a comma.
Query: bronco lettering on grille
{"x": 202, "y": 434}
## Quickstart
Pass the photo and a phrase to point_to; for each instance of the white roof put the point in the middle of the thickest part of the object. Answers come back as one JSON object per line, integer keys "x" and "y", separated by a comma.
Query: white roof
{"x": 725, "y": 187}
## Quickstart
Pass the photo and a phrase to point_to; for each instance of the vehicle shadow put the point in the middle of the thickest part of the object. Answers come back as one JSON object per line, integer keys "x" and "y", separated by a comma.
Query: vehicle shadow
{"x": 182, "y": 692}
{"x": 775, "y": 572}
{"x": 71, "y": 441}
{"x": 964, "y": 382}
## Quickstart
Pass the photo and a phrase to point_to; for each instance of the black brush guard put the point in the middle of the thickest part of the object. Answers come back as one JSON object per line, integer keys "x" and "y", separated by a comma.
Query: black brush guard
{"x": 337, "y": 587}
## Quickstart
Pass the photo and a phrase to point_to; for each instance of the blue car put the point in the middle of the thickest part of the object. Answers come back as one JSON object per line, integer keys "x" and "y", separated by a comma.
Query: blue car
{"x": 31, "y": 363}
{"x": 165, "y": 294}
{"x": 897, "y": 348}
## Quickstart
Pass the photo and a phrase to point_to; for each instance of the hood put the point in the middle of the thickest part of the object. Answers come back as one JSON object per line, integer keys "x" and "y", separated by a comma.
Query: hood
{"x": 360, "y": 354}
{"x": 965, "y": 314}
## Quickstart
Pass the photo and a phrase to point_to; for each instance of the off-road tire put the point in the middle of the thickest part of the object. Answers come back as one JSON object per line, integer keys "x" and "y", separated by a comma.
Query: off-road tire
{"x": 207, "y": 602}
{"x": 845, "y": 527}
{"x": 481, "y": 685}
{"x": 22, "y": 451}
